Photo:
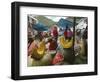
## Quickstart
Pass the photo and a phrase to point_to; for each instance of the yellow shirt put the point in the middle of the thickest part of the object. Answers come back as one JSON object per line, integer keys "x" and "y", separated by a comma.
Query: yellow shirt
{"x": 41, "y": 48}
{"x": 39, "y": 52}
{"x": 65, "y": 43}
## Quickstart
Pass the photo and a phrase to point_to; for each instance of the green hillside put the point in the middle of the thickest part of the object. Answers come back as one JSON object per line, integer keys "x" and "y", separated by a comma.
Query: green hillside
{"x": 44, "y": 20}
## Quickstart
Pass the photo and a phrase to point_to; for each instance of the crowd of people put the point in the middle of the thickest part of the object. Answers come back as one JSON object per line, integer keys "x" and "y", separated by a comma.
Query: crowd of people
{"x": 55, "y": 46}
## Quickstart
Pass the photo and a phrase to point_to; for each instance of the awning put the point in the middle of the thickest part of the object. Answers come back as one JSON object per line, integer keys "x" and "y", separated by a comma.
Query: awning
{"x": 40, "y": 27}
{"x": 63, "y": 23}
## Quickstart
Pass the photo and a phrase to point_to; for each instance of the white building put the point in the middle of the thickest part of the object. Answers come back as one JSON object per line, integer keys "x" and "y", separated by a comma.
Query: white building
{"x": 82, "y": 23}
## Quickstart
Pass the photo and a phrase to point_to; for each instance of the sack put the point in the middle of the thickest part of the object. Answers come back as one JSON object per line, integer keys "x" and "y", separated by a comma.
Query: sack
{"x": 58, "y": 58}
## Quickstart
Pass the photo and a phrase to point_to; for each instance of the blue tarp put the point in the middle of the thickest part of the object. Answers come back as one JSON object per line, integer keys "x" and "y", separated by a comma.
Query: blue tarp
{"x": 62, "y": 23}
{"x": 40, "y": 27}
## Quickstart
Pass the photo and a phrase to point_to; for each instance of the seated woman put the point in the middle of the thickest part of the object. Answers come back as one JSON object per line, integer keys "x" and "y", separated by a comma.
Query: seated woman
{"x": 37, "y": 49}
{"x": 67, "y": 44}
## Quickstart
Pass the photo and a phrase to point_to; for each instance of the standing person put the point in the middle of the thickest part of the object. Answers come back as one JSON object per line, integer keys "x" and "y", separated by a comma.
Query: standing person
{"x": 68, "y": 33}
{"x": 78, "y": 36}
{"x": 30, "y": 35}
{"x": 85, "y": 37}
{"x": 52, "y": 44}
{"x": 65, "y": 32}
{"x": 61, "y": 32}
{"x": 54, "y": 32}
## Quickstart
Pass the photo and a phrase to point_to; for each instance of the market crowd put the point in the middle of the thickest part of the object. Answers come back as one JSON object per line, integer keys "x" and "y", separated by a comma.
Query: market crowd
{"x": 57, "y": 46}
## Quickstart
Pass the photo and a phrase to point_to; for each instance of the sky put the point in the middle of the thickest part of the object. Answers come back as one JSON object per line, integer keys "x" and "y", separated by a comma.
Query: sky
{"x": 54, "y": 18}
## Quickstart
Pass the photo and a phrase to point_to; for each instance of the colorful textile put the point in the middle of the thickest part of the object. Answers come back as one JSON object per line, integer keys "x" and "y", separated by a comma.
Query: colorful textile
{"x": 58, "y": 58}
